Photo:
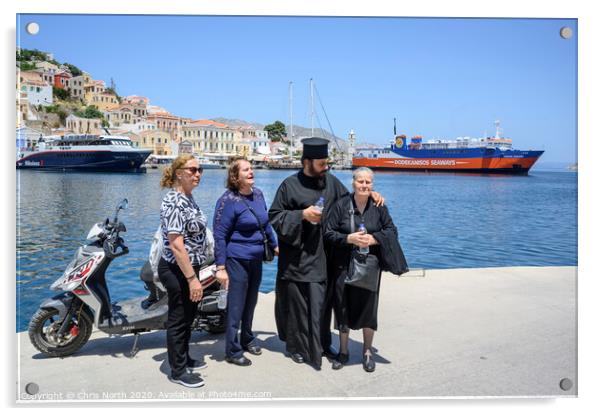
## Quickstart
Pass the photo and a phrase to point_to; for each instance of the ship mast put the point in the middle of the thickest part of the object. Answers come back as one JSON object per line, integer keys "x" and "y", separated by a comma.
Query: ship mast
{"x": 498, "y": 129}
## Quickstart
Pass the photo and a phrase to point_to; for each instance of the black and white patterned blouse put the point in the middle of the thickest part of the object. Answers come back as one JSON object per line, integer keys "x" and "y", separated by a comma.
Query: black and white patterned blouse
{"x": 181, "y": 215}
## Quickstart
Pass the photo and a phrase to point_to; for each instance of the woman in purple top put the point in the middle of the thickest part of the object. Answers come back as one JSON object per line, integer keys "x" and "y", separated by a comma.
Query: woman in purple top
{"x": 239, "y": 255}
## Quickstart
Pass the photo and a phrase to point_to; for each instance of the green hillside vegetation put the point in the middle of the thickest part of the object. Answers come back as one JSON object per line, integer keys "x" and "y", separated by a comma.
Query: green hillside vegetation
{"x": 64, "y": 104}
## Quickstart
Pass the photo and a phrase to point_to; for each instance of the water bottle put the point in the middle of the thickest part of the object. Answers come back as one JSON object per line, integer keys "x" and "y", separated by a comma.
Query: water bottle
{"x": 319, "y": 205}
{"x": 363, "y": 250}
{"x": 222, "y": 299}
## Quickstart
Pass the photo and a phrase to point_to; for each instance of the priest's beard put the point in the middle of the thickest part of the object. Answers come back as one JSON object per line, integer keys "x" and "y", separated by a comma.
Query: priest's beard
{"x": 317, "y": 174}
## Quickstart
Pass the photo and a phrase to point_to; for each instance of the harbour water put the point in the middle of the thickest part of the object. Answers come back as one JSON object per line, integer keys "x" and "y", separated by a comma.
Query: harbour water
{"x": 444, "y": 221}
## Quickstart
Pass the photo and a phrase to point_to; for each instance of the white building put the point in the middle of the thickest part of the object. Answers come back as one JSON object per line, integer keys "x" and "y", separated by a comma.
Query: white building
{"x": 38, "y": 93}
{"x": 27, "y": 137}
{"x": 138, "y": 127}
{"x": 257, "y": 139}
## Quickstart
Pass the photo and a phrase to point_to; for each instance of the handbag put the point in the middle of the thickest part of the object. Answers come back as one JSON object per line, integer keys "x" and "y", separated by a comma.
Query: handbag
{"x": 268, "y": 252}
{"x": 364, "y": 269}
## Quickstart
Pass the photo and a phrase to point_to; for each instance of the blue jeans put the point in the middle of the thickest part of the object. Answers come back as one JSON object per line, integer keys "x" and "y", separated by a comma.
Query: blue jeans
{"x": 243, "y": 288}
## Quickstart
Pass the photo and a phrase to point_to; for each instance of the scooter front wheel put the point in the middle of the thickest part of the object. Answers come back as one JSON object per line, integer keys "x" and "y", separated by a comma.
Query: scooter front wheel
{"x": 43, "y": 333}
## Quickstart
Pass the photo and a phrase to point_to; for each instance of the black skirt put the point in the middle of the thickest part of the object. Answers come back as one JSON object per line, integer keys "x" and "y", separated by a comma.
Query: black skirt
{"x": 354, "y": 307}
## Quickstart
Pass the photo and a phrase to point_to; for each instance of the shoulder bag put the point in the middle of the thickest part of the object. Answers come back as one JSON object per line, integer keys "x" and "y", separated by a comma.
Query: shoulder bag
{"x": 268, "y": 252}
{"x": 363, "y": 270}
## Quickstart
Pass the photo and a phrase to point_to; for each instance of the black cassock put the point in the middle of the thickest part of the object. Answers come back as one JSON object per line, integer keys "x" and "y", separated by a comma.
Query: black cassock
{"x": 301, "y": 282}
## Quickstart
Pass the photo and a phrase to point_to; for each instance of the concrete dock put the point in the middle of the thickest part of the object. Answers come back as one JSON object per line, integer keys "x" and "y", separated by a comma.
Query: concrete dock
{"x": 508, "y": 332}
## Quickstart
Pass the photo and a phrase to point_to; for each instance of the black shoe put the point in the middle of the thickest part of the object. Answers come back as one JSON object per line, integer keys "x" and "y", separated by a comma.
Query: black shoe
{"x": 192, "y": 364}
{"x": 253, "y": 349}
{"x": 147, "y": 303}
{"x": 298, "y": 358}
{"x": 340, "y": 361}
{"x": 242, "y": 361}
{"x": 330, "y": 353}
{"x": 368, "y": 363}
{"x": 188, "y": 380}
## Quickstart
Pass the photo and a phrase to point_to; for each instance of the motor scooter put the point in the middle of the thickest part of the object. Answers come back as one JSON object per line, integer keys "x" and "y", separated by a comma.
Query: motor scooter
{"x": 63, "y": 324}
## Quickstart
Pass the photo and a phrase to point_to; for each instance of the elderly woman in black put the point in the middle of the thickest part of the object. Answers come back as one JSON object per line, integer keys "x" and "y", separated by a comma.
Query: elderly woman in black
{"x": 183, "y": 227}
{"x": 356, "y": 308}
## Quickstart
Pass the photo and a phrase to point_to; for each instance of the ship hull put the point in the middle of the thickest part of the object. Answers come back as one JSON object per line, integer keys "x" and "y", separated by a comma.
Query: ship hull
{"x": 490, "y": 161}
{"x": 90, "y": 161}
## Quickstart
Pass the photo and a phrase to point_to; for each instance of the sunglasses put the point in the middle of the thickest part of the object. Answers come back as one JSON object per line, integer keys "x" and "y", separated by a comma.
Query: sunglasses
{"x": 193, "y": 170}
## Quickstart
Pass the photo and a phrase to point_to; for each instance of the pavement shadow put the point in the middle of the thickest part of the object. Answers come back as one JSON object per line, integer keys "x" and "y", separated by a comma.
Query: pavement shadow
{"x": 356, "y": 351}
{"x": 121, "y": 345}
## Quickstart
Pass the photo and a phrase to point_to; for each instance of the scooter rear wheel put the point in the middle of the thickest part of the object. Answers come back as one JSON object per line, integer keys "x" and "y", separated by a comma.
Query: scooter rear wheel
{"x": 43, "y": 329}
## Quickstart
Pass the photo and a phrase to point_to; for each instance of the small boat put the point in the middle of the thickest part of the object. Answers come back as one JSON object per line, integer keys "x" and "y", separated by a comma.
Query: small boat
{"x": 208, "y": 164}
{"x": 84, "y": 152}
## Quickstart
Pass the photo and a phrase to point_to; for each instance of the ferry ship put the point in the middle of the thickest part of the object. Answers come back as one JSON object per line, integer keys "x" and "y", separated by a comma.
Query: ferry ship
{"x": 85, "y": 152}
{"x": 473, "y": 155}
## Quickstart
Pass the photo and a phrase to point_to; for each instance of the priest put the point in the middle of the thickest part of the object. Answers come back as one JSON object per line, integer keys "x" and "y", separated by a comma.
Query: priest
{"x": 301, "y": 282}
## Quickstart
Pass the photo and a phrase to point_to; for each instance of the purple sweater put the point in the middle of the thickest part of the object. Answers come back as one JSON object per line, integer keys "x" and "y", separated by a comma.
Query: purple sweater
{"x": 235, "y": 228}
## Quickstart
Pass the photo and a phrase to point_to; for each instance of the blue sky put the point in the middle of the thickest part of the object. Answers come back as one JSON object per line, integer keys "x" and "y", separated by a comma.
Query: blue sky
{"x": 441, "y": 78}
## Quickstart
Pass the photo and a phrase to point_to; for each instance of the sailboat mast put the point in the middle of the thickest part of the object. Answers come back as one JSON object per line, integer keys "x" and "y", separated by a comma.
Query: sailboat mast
{"x": 311, "y": 92}
{"x": 290, "y": 130}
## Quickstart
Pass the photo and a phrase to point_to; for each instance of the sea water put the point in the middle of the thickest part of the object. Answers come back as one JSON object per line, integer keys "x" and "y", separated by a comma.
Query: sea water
{"x": 444, "y": 221}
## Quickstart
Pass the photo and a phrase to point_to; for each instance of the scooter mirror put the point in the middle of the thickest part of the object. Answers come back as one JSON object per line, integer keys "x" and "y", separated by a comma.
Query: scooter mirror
{"x": 122, "y": 205}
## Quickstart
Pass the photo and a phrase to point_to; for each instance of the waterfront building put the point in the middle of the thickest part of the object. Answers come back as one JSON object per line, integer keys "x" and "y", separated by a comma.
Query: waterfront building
{"x": 118, "y": 116}
{"x": 158, "y": 140}
{"x": 184, "y": 147}
{"x": 166, "y": 122}
{"x": 208, "y": 136}
{"x": 243, "y": 147}
{"x": 138, "y": 127}
{"x": 27, "y": 137}
{"x": 279, "y": 148}
{"x": 257, "y": 139}
{"x": 82, "y": 125}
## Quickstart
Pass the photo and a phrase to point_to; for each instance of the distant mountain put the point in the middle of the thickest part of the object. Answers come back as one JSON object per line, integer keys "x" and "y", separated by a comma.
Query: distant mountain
{"x": 238, "y": 123}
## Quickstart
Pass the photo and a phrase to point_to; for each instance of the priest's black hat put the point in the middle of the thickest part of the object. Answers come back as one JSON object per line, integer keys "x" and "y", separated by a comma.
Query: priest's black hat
{"x": 315, "y": 148}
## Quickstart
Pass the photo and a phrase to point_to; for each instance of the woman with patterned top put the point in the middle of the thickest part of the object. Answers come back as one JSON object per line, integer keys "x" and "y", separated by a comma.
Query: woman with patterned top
{"x": 183, "y": 226}
{"x": 239, "y": 253}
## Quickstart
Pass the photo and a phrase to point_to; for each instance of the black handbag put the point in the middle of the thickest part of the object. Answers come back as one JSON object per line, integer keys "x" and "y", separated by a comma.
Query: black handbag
{"x": 364, "y": 269}
{"x": 268, "y": 252}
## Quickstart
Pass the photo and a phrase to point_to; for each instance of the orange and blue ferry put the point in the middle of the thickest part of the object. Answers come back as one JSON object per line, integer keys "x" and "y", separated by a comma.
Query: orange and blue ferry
{"x": 465, "y": 154}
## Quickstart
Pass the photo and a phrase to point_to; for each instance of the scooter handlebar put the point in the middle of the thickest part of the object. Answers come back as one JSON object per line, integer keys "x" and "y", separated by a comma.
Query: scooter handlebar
{"x": 111, "y": 247}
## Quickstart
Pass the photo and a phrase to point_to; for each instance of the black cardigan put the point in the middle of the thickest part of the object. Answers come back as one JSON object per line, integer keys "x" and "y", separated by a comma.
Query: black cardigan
{"x": 377, "y": 221}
